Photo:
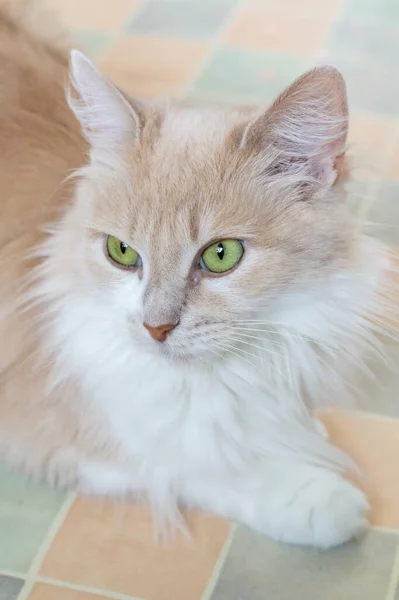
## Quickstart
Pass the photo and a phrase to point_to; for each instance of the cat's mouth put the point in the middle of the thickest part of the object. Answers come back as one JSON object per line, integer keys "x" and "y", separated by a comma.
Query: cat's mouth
{"x": 183, "y": 348}
{"x": 179, "y": 354}
{"x": 175, "y": 356}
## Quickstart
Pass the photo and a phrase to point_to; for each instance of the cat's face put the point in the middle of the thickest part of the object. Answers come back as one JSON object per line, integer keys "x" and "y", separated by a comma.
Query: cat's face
{"x": 192, "y": 223}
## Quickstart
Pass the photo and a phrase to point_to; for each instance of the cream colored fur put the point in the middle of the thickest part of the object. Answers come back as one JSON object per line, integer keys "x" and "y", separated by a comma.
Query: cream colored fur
{"x": 218, "y": 415}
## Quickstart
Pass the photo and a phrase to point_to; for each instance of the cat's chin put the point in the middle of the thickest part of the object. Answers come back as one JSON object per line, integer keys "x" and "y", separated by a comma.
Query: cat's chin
{"x": 171, "y": 351}
{"x": 178, "y": 355}
{"x": 177, "y": 358}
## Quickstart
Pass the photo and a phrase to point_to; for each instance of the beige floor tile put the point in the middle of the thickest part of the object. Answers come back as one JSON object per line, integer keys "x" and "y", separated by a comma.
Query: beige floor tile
{"x": 42, "y": 591}
{"x": 94, "y": 15}
{"x": 277, "y": 33}
{"x": 374, "y": 444}
{"x": 369, "y": 139}
{"x": 321, "y": 9}
{"x": 111, "y": 546}
{"x": 150, "y": 66}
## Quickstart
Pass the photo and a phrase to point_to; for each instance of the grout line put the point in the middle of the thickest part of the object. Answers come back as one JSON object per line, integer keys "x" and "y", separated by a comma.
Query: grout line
{"x": 385, "y": 529}
{"x": 219, "y": 564}
{"x": 83, "y": 588}
{"x": 374, "y": 416}
{"x": 359, "y": 413}
{"x": 44, "y": 547}
{"x": 12, "y": 574}
{"x": 215, "y": 43}
{"x": 393, "y": 581}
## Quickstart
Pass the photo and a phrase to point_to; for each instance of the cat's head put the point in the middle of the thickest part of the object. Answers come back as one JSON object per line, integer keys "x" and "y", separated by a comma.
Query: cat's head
{"x": 193, "y": 225}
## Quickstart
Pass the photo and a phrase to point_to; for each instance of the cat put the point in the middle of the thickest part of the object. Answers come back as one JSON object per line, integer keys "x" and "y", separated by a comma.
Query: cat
{"x": 181, "y": 284}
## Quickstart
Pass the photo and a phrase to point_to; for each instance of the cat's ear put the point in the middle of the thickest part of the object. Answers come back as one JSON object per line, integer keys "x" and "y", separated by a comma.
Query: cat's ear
{"x": 106, "y": 117}
{"x": 306, "y": 127}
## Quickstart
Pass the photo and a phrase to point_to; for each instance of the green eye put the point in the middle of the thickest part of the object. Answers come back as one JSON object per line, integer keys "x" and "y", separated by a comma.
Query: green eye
{"x": 121, "y": 253}
{"x": 222, "y": 256}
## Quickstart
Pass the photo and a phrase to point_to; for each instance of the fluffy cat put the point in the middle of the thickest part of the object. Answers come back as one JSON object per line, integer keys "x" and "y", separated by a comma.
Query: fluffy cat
{"x": 166, "y": 311}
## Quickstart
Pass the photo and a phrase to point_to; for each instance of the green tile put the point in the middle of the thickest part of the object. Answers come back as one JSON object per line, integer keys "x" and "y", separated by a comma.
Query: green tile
{"x": 370, "y": 89}
{"x": 191, "y": 18}
{"x": 257, "y": 568}
{"x": 372, "y": 10}
{"x": 9, "y": 587}
{"x": 245, "y": 76}
{"x": 367, "y": 54}
{"x": 364, "y": 44}
{"x": 372, "y": 43}
{"x": 27, "y": 510}
{"x": 91, "y": 42}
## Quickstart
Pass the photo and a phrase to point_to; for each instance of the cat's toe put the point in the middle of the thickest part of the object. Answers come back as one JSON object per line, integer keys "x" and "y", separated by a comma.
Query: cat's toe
{"x": 325, "y": 512}
{"x": 339, "y": 513}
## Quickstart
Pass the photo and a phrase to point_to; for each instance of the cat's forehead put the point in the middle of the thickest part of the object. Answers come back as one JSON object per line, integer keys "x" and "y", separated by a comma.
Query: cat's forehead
{"x": 185, "y": 176}
{"x": 202, "y": 130}
{"x": 185, "y": 183}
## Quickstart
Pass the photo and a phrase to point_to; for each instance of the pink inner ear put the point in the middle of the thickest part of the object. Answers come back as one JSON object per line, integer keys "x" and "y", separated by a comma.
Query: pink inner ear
{"x": 307, "y": 124}
{"x": 328, "y": 168}
{"x": 106, "y": 117}
{"x": 339, "y": 166}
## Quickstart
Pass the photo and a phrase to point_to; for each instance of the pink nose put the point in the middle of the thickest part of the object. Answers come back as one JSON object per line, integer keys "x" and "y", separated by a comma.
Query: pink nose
{"x": 159, "y": 333}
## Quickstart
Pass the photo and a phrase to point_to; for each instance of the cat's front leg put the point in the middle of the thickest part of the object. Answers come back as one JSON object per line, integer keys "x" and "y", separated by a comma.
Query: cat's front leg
{"x": 68, "y": 468}
{"x": 291, "y": 501}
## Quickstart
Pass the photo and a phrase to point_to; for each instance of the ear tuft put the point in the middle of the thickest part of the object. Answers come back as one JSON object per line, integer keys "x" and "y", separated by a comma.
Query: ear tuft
{"x": 107, "y": 119}
{"x": 306, "y": 126}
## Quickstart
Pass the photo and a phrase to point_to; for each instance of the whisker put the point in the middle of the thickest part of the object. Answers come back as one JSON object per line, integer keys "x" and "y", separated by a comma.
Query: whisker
{"x": 237, "y": 331}
{"x": 368, "y": 337}
{"x": 361, "y": 327}
{"x": 213, "y": 351}
{"x": 258, "y": 347}
{"x": 228, "y": 349}
{"x": 364, "y": 368}
{"x": 270, "y": 363}
{"x": 285, "y": 333}
{"x": 249, "y": 353}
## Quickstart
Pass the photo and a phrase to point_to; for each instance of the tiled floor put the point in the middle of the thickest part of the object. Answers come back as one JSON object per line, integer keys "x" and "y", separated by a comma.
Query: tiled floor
{"x": 58, "y": 547}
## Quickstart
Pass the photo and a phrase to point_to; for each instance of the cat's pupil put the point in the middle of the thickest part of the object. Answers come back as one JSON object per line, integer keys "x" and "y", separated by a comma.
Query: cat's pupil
{"x": 220, "y": 251}
{"x": 123, "y": 247}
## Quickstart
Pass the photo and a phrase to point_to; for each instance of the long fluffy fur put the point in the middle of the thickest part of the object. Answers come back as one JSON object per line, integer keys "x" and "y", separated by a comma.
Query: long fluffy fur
{"x": 219, "y": 416}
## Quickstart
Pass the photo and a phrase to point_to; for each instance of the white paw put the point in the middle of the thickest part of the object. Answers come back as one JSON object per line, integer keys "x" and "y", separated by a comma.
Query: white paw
{"x": 325, "y": 511}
